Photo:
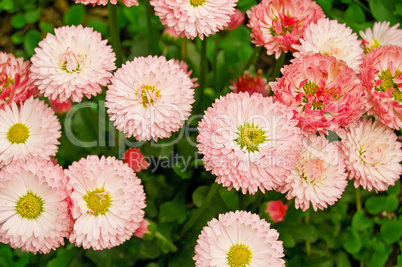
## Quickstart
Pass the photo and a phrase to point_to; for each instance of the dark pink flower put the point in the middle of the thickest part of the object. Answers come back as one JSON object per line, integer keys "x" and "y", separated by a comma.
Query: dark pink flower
{"x": 60, "y": 107}
{"x": 276, "y": 210}
{"x": 135, "y": 159}
{"x": 250, "y": 84}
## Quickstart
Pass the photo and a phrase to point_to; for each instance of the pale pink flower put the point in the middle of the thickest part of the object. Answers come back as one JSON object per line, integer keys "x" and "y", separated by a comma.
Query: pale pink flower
{"x": 323, "y": 92}
{"x": 381, "y": 34}
{"x": 373, "y": 153}
{"x": 319, "y": 178}
{"x": 328, "y": 37}
{"x": 278, "y": 24}
{"x": 135, "y": 159}
{"x": 61, "y": 107}
{"x": 236, "y": 20}
{"x": 276, "y": 210}
{"x": 128, "y": 3}
{"x": 30, "y": 129}
{"x": 107, "y": 202}
{"x": 250, "y": 84}
{"x": 142, "y": 229}
{"x": 16, "y": 85}
{"x": 238, "y": 239}
{"x": 192, "y": 18}
{"x": 381, "y": 74}
{"x": 249, "y": 142}
{"x": 34, "y": 201}
{"x": 73, "y": 62}
{"x": 150, "y": 98}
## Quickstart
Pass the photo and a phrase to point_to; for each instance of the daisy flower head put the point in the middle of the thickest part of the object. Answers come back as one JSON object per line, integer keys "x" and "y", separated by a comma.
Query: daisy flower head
{"x": 107, "y": 202}
{"x": 16, "y": 85}
{"x": 323, "y": 92}
{"x": 192, "y": 18}
{"x": 150, "y": 98}
{"x": 319, "y": 177}
{"x": 328, "y": 37}
{"x": 250, "y": 84}
{"x": 381, "y": 34}
{"x": 73, "y": 62}
{"x": 249, "y": 142}
{"x": 278, "y": 24}
{"x": 30, "y": 129}
{"x": 128, "y": 3}
{"x": 238, "y": 239}
{"x": 381, "y": 74}
{"x": 372, "y": 153}
{"x": 34, "y": 201}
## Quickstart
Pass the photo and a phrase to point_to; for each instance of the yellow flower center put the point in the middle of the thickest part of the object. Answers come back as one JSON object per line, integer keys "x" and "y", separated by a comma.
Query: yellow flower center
{"x": 196, "y": 3}
{"x": 30, "y": 206}
{"x": 98, "y": 201}
{"x": 375, "y": 45}
{"x": 388, "y": 82}
{"x": 18, "y": 133}
{"x": 148, "y": 94}
{"x": 239, "y": 256}
{"x": 250, "y": 136}
{"x": 71, "y": 61}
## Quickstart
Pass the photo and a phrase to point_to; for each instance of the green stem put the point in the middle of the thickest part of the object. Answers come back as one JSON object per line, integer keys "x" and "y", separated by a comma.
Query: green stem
{"x": 253, "y": 57}
{"x": 358, "y": 199}
{"x": 279, "y": 65}
{"x": 215, "y": 67}
{"x": 308, "y": 244}
{"x": 152, "y": 42}
{"x": 115, "y": 34}
{"x": 196, "y": 215}
{"x": 362, "y": 6}
{"x": 161, "y": 237}
{"x": 203, "y": 72}
{"x": 183, "y": 49}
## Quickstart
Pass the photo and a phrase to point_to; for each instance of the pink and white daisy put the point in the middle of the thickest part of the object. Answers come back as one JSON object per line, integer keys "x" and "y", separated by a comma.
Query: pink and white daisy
{"x": 328, "y": 37}
{"x": 250, "y": 84}
{"x": 107, "y": 202}
{"x": 381, "y": 34}
{"x": 238, "y": 239}
{"x": 31, "y": 129}
{"x": 323, "y": 92}
{"x": 16, "y": 85}
{"x": 73, "y": 62}
{"x": 128, "y": 3}
{"x": 192, "y": 18}
{"x": 249, "y": 142}
{"x": 381, "y": 74}
{"x": 319, "y": 178}
{"x": 278, "y": 24}
{"x": 372, "y": 153}
{"x": 34, "y": 214}
{"x": 150, "y": 98}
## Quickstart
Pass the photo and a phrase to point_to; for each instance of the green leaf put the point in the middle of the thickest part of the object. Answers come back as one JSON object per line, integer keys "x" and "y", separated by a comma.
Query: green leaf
{"x": 18, "y": 21}
{"x": 391, "y": 231}
{"x": 182, "y": 169}
{"x": 355, "y": 13}
{"x": 304, "y": 231}
{"x": 74, "y": 15}
{"x": 342, "y": 259}
{"x": 32, "y": 16}
{"x": 230, "y": 198}
{"x": 173, "y": 211}
{"x": 7, "y": 5}
{"x": 395, "y": 189}
{"x": 391, "y": 203}
{"x": 6, "y": 256}
{"x": 360, "y": 222}
{"x": 100, "y": 257}
{"x": 381, "y": 13}
{"x": 46, "y": 27}
{"x": 288, "y": 240}
{"x": 17, "y": 38}
{"x": 398, "y": 9}
{"x": 375, "y": 204}
{"x": 31, "y": 40}
{"x": 325, "y": 4}
{"x": 380, "y": 255}
{"x": 63, "y": 257}
{"x": 199, "y": 195}
{"x": 352, "y": 242}
{"x": 98, "y": 26}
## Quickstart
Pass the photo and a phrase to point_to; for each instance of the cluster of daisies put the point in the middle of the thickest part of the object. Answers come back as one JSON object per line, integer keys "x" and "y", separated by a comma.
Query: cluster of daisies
{"x": 251, "y": 141}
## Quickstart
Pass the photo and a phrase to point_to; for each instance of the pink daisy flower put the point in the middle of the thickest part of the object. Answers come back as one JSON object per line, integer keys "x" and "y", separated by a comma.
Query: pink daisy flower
{"x": 29, "y": 129}
{"x": 323, "y": 92}
{"x": 15, "y": 82}
{"x": 61, "y": 107}
{"x": 381, "y": 34}
{"x": 142, "y": 229}
{"x": 238, "y": 239}
{"x": 34, "y": 204}
{"x": 381, "y": 74}
{"x": 107, "y": 202}
{"x": 135, "y": 159}
{"x": 150, "y": 98}
{"x": 249, "y": 142}
{"x": 278, "y": 24}
{"x": 276, "y": 210}
{"x": 250, "y": 84}
{"x": 328, "y": 37}
{"x": 73, "y": 62}
{"x": 192, "y": 18}
{"x": 319, "y": 178}
{"x": 128, "y": 3}
{"x": 373, "y": 153}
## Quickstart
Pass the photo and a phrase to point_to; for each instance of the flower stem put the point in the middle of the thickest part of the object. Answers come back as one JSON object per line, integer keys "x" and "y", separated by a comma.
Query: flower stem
{"x": 215, "y": 67}
{"x": 253, "y": 57}
{"x": 152, "y": 41}
{"x": 183, "y": 49}
{"x": 308, "y": 244}
{"x": 194, "y": 218}
{"x": 161, "y": 237}
{"x": 115, "y": 34}
{"x": 279, "y": 65}
{"x": 358, "y": 199}
{"x": 203, "y": 72}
